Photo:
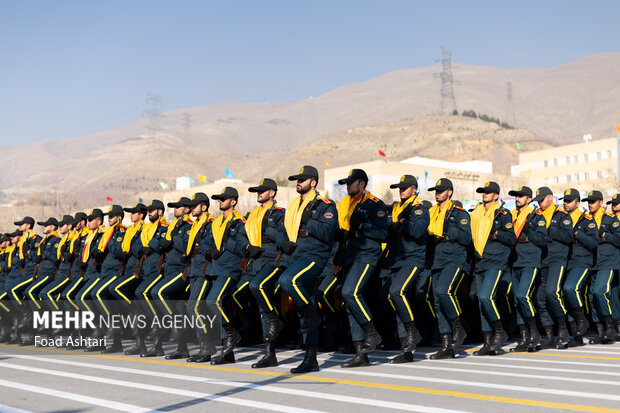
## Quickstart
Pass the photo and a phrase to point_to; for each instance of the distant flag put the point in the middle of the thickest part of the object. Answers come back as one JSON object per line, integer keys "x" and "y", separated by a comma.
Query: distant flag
{"x": 381, "y": 153}
{"x": 228, "y": 173}
{"x": 519, "y": 146}
{"x": 140, "y": 200}
{"x": 108, "y": 199}
{"x": 327, "y": 163}
{"x": 163, "y": 185}
{"x": 192, "y": 180}
{"x": 66, "y": 207}
{"x": 618, "y": 128}
{"x": 426, "y": 180}
{"x": 202, "y": 178}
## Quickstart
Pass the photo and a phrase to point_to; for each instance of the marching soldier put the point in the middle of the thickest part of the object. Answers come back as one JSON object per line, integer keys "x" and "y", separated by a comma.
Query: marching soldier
{"x": 45, "y": 259}
{"x": 6, "y": 248}
{"x": 531, "y": 232}
{"x": 363, "y": 226}
{"x": 261, "y": 228}
{"x": 450, "y": 233}
{"x": 406, "y": 253}
{"x": 555, "y": 255}
{"x": 228, "y": 245}
{"x": 580, "y": 260}
{"x": 605, "y": 271}
{"x": 615, "y": 289}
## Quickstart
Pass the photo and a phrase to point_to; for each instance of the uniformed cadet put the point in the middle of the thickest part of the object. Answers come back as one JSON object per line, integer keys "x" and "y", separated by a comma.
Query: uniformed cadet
{"x": 306, "y": 238}
{"x": 363, "y": 225}
{"x": 450, "y": 235}
{"x": 555, "y": 255}
{"x": 615, "y": 287}
{"x": 196, "y": 256}
{"x": 170, "y": 290}
{"x": 406, "y": 254}
{"x": 531, "y": 232}
{"x": 228, "y": 245}
{"x": 493, "y": 236}
{"x": 45, "y": 259}
{"x": 121, "y": 290}
{"x": 51, "y": 293}
{"x": 261, "y": 228}
{"x": 580, "y": 262}
{"x": 148, "y": 272}
{"x": 605, "y": 272}
{"x": 6, "y": 247}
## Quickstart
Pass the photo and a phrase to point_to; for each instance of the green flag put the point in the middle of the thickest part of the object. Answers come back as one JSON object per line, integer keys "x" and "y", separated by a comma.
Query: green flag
{"x": 140, "y": 200}
{"x": 519, "y": 146}
{"x": 163, "y": 185}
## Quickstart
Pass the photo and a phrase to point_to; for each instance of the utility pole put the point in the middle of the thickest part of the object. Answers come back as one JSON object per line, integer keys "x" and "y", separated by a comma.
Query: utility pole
{"x": 448, "y": 102}
{"x": 509, "y": 117}
{"x": 153, "y": 112}
{"x": 187, "y": 123}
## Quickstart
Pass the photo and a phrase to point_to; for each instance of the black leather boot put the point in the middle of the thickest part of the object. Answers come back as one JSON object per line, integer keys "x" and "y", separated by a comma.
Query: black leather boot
{"x": 157, "y": 350}
{"x": 610, "y": 332}
{"x": 372, "y": 340}
{"x": 582, "y": 321}
{"x": 522, "y": 345}
{"x": 5, "y": 330}
{"x": 228, "y": 358}
{"x": 359, "y": 360}
{"x": 204, "y": 353}
{"x": 269, "y": 359}
{"x": 562, "y": 333}
{"x": 446, "y": 351}
{"x": 485, "y": 350}
{"x": 499, "y": 336}
{"x": 600, "y": 334}
{"x": 309, "y": 363}
{"x": 403, "y": 356}
{"x": 533, "y": 343}
{"x": 117, "y": 345}
{"x": 549, "y": 341}
{"x": 139, "y": 347}
{"x": 576, "y": 340}
{"x": 458, "y": 333}
{"x": 181, "y": 352}
{"x": 312, "y": 319}
{"x": 412, "y": 339}
{"x": 232, "y": 339}
{"x": 275, "y": 326}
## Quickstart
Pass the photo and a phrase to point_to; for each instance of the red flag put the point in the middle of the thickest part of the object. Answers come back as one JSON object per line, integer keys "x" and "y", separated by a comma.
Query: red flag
{"x": 381, "y": 153}
{"x": 108, "y": 199}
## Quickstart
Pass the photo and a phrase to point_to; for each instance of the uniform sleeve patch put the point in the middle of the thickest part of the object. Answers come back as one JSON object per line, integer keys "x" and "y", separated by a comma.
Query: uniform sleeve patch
{"x": 616, "y": 224}
{"x": 329, "y": 215}
{"x": 508, "y": 225}
{"x": 464, "y": 221}
{"x": 418, "y": 212}
{"x": 591, "y": 225}
{"x": 380, "y": 214}
{"x": 541, "y": 223}
{"x": 566, "y": 222}
{"x": 119, "y": 239}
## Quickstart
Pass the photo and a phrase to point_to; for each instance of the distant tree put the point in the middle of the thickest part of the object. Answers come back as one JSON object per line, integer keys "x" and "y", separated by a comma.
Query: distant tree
{"x": 455, "y": 112}
{"x": 506, "y": 125}
{"x": 469, "y": 113}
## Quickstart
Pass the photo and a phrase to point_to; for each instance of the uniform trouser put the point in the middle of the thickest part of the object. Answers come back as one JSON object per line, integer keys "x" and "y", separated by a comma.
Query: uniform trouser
{"x": 196, "y": 304}
{"x": 70, "y": 293}
{"x": 503, "y": 294}
{"x": 549, "y": 294}
{"x": 424, "y": 293}
{"x": 601, "y": 289}
{"x": 327, "y": 298}
{"x": 142, "y": 294}
{"x": 262, "y": 286}
{"x": 241, "y": 292}
{"x": 574, "y": 288}
{"x": 299, "y": 282}
{"x": 219, "y": 299}
{"x": 83, "y": 295}
{"x": 100, "y": 294}
{"x": 355, "y": 280}
{"x": 16, "y": 289}
{"x": 52, "y": 291}
{"x": 123, "y": 288}
{"x": 169, "y": 294}
{"x": 402, "y": 281}
{"x": 487, "y": 285}
{"x": 615, "y": 298}
{"x": 33, "y": 290}
{"x": 524, "y": 284}
{"x": 445, "y": 285}
{"x": 5, "y": 309}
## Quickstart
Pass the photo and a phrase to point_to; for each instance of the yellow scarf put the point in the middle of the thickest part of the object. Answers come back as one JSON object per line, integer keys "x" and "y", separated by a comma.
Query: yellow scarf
{"x": 518, "y": 219}
{"x": 44, "y": 241}
{"x": 598, "y": 216}
{"x": 548, "y": 214}
{"x": 218, "y": 227}
{"x": 20, "y": 244}
{"x": 89, "y": 240}
{"x": 292, "y": 216}
{"x": 173, "y": 224}
{"x": 85, "y": 231}
{"x": 149, "y": 230}
{"x": 346, "y": 207}
{"x": 107, "y": 235}
{"x": 67, "y": 237}
{"x": 481, "y": 224}
{"x": 399, "y": 207}
{"x": 254, "y": 224}
{"x": 129, "y": 234}
{"x": 435, "y": 227}
{"x": 194, "y": 231}
{"x": 9, "y": 250}
{"x": 575, "y": 215}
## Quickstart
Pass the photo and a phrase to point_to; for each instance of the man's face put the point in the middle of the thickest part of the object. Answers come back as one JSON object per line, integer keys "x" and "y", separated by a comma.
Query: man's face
{"x": 155, "y": 214}
{"x": 594, "y": 206}
{"x": 570, "y": 206}
{"x": 64, "y": 229}
{"x": 265, "y": 196}
{"x": 442, "y": 196}
{"x": 488, "y": 197}
{"x": 24, "y": 227}
{"x": 137, "y": 217}
{"x": 226, "y": 204}
{"x": 179, "y": 212}
{"x": 113, "y": 219}
{"x": 198, "y": 210}
{"x": 522, "y": 200}
{"x": 615, "y": 208}
{"x": 304, "y": 185}
{"x": 546, "y": 202}
{"x": 356, "y": 187}
{"x": 15, "y": 240}
{"x": 94, "y": 223}
{"x": 80, "y": 225}
{"x": 406, "y": 193}
{"x": 48, "y": 229}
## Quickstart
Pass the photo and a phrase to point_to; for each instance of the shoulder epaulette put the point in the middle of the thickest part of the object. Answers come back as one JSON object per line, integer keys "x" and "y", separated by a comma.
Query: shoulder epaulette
{"x": 609, "y": 214}
{"x": 589, "y": 218}
{"x": 278, "y": 208}
{"x": 121, "y": 228}
{"x": 561, "y": 210}
{"x": 164, "y": 224}
{"x": 211, "y": 219}
{"x": 539, "y": 212}
{"x": 242, "y": 219}
{"x": 325, "y": 200}
{"x": 458, "y": 207}
{"x": 374, "y": 199}
{"x": 504, "y": 211}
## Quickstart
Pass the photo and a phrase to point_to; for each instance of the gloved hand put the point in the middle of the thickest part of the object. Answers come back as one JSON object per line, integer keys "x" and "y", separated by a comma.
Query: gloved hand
{"x": 214, "y": 253}
{"x": 146, "y": 251}
{"x": 394, "y": 228}
{"x": 123, "y": 255}
{"x": 305, "y": 217}
{"x": 522, "y": 238}
{"x": 288, "y": 247}
{"x": 165, "y": 244}
{"x": 254, "y": 251}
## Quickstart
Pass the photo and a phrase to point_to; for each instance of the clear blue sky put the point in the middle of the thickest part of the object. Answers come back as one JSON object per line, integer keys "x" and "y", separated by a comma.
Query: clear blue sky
{"x": 69, "y": 68}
